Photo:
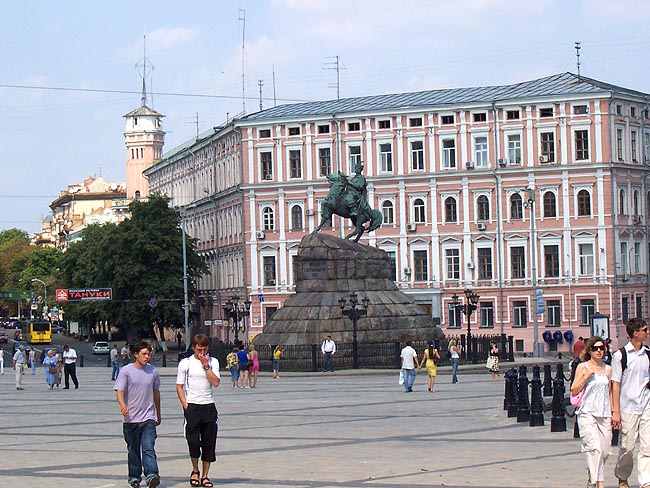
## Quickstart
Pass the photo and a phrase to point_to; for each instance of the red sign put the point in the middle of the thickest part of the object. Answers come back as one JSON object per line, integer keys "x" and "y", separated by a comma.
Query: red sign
{"x": 61, "y": 295}
{"x": 84, "y": 294}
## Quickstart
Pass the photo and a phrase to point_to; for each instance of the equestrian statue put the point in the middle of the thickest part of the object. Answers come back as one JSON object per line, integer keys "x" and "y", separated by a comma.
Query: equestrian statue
{"x": 348, "y": 199}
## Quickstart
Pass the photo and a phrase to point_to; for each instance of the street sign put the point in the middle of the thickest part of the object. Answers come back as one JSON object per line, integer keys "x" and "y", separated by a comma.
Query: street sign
{"x": 61, "y": 295}
{"x": 14, "y": 295}
{"x": 153, "y": 302}
{"x": 84, "y": 294}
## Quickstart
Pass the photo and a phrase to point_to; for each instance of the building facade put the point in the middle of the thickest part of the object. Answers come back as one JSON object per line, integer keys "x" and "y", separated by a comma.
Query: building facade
{"x": 533, "y": 195}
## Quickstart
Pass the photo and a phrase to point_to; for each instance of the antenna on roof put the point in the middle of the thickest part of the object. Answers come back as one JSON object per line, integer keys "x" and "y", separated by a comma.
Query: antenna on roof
{"x": 337, "y": 66}
{"x": 274, "y": 99}
{"x": 577, "y": 44}
{"x": 242, "y": 18}
{"x": 260, "y": 83}
{"x": 145, "y": 71}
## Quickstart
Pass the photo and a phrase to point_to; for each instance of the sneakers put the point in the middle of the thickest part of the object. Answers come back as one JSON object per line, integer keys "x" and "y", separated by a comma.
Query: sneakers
{"x": 153, "y": 481}
{"x": 134, "y": 484}
{"x": 623, "y": 484}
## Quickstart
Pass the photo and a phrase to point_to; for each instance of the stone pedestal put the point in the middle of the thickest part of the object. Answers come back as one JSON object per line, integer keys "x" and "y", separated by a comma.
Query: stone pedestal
{"x": 328, "y": 269}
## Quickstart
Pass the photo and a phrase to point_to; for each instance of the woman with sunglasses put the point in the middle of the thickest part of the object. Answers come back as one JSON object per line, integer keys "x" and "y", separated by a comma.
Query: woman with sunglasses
{"x": 593, "y": 378}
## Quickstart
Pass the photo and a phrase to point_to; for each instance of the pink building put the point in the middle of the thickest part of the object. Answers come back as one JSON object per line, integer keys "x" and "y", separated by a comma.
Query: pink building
{"x": 533, "y": 195}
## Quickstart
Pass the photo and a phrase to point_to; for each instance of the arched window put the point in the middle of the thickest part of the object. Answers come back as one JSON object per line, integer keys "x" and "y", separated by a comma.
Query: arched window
{"x": 516, "y": 207}
{"x": 621, "y": 202}
{"x": 296, "y": 217}
{"x": 550, "y": 208}
{"x": 482, "y": 208}
{"x": 388, "y": 212}
{"x": 584, "y": 203}
{"x": 451, "y": 210}
{"x": 268, "y": 219}
{"x": 635, "y": 203}
{"x": 419, "y": 214}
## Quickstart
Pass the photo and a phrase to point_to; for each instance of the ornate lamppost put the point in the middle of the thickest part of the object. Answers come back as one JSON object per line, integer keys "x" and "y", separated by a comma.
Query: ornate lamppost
{"x": 238, "y": 312}
{"x": 471, "y": 301}
{"x": 354, "y": 314}
{"x": 37, "y": 280}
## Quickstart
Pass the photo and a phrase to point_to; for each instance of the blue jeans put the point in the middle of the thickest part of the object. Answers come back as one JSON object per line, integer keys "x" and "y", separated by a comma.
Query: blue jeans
{"x": 328, "y": 362}
{"x": 409, "y": 378}
{"x": 454, "y": 370}
{"x": 116, "y": 369}
{"x": 33, "y": 364}
{"x": 140, "y": 439}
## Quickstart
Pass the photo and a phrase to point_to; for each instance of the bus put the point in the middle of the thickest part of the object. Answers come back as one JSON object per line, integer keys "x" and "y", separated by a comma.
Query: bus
{"x": 37, "y": 332}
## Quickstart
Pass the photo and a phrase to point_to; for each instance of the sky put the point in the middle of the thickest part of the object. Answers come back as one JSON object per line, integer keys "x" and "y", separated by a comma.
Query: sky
{"x": 68, "y": 70}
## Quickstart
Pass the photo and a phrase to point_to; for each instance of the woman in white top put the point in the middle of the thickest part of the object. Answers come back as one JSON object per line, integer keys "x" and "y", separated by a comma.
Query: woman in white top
{"x": 455, "y": 359}
{"x": 593, "y": 377}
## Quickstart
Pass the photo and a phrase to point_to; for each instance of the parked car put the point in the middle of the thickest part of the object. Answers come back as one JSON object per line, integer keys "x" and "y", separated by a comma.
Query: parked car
{"x": 17, "y": 344}
{"x": 101, "y": 348}
{"x": 57, "y": 329}
{"x": 4, "y": 337}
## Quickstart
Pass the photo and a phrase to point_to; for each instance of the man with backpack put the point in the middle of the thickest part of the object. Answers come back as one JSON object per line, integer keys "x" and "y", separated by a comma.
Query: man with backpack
{"x": 631, "y": 403}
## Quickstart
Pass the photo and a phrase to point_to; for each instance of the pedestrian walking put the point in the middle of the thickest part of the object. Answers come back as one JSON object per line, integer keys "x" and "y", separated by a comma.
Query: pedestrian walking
{"x": 197, "y": 375}
{"x": 231, "y": 364}
{"x": 179, "y": 339}
{"x": 277, "y": 355}
{"x": 328, "y": 348}
{"x": 242, "y": 365}
{"x": 578, "y": 346}
{"x": 454, "y": 356}
{"x": 253, "y": 365}
{"x": 59, "y": 370}
{"x": 51, "y": 370}
{"x": 69, "y": 367}
{"x": 592, "y": 380}
{"x": 493, "y": 360}
{"x": 137, "y": 389}
{"x": 125, "y": 354}
{"x": 409, "y": 361}
{"x": 430, "y": 359}
{"x": 115, "y": 362}
{"x": 32, "y": 360}
{"x": 2, "y": 361}
{"x": 19, "y": 360}
{"x": 631, "y": 403}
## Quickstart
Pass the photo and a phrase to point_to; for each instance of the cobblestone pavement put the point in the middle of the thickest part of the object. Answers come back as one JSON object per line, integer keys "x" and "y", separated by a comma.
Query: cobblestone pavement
{"x": 321, "y": 430}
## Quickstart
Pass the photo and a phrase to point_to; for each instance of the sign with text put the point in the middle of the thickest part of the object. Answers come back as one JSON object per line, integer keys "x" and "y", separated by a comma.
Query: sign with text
{"x": 84, "y": 294}
{"x": 14, "y": 295}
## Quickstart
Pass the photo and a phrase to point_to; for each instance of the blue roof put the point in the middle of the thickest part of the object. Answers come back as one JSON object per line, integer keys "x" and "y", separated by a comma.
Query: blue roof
{"x": 550, "y": 86}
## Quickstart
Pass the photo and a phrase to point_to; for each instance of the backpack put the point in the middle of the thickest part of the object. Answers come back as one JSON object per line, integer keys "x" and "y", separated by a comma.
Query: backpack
{"x": 624, "y": 357}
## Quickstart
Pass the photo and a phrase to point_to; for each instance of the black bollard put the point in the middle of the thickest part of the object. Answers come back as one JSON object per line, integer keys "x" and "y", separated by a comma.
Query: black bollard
{"x": 523, "y": 410}
{"x": 558, "y": 421}
{"x": 108, "y": 361}
{"x": 164, "y": 362}
{"x": 548, "y": 381}
{"x": 536, "y": 400}
{"x": 511, "y": 378}
{"x": 81, "y": 361}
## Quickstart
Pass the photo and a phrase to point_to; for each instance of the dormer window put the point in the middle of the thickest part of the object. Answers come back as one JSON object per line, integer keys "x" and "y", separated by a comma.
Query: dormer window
{"x": 135, "y": 121}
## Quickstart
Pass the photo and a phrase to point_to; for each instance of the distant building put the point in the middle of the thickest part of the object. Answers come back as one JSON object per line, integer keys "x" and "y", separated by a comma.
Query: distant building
{"x": 533, "y": 195}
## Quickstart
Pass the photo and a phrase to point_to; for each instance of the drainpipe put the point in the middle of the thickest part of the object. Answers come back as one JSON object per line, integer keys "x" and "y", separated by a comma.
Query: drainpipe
{"x": 499, "y": 236}
{"x": 614, "y": 211}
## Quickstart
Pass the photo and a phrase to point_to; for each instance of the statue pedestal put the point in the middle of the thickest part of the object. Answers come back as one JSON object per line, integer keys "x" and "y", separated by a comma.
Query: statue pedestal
{"x": 328, "y": 269}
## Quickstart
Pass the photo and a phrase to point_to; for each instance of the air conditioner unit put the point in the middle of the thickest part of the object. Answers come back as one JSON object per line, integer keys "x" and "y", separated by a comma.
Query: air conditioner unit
{"x": 411, "y": 227}
{"x": 480, "y": 226}
{"x": 259, "y": 234}
{"x": 470, "y": 265}
{"x": 407, "y": 271}
{"x": 270, "y": 282}
{"x": 309, "y": 211}
{"x": 469, "y": 164}
{"x": 543, "y": 159}
{"x": 503, "y": 162}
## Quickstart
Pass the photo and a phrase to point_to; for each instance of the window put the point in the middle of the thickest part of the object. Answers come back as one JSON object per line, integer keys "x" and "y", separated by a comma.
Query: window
{"x": 354, "y": 155}
{"x": 551, "y": 261}
{"x": 635, "y": 202}
{"x": 517, "y": 262}
{"x": 486, "y": 310}
{"x": 512, "y": 114}
{"x": 624, "y": 262}
{"x": 296, "y": 217}
{"x": 295, "y": 164}
{"x": 582, "y": 144}
{"x": 553, "y": 313}
{"x": 417, "y": 156}
{"x": 481, "y": 152}
{"x": 633, "y": 114}
{"x": 586, "y": 253}
{"x": 447, "y": 119}
{"x": 619, "y": 144}
{"x": 265, "y": 133}
{"x": 269, "y": 270}
{"x": 386, "y": 157}
{"x": 449, "y": 153}
{"x": 482, "y": 208}
{"x": 548, "y": 146}
{"x": 354, "y": 127}
{"x": 454, "y": 321}
{"x": 546, "y": 112}
{"x": 637, "y": 258}
{"x": 550, "y": 208}
{"x": 268, "y": 219}
{"x": 584, "y": 203}
{"x": 519, "y": 313}
{"x": 451, "y": 213}
{"x": 516, "y": 207}
{"x": 419, "y": 214}
{"x": 294, "y": 131}
{"x": 324, "y": 161}
{"x": 393, "y": 263}
{"x": 484, "y": 263}
{"x": 420, "y": 261}
{"x": 266, "y": 163}
{"x": 633, "y": 145}
{"x": 587, "y": 307}
{"x": 514, "y": 148}
{"x": 619, "y": 109}
{"x": 415, "y": 122}
{"x": 388, "y": 212}
{"x": 580, "y": 109}
{"x": 384, "y": 124}
{"x": 621, "y": 202}
{"x": 452, "y": 264}
{"x": 323, "y": 129}
{"x": 480, "y": 117}
{"x": 625, "y": 308}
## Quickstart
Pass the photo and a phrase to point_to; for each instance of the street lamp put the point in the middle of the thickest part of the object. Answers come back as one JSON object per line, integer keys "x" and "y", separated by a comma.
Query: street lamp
{"x": 538, "y": 296}
{"x": 467, "y": 309}
{"x": 45, "y": 292}
{"x": 354, "y": 314}
{"x": 238, "y": 312}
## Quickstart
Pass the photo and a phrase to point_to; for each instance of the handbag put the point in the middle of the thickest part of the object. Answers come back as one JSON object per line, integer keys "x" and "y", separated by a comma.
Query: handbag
{"x": 576, "y": 400}
{"x": 489, "y": 364}
{"x": 53, "y": 370}
{"x": 436, "y": 359}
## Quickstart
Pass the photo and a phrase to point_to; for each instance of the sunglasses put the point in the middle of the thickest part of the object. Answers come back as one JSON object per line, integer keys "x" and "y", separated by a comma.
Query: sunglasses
{"x": 598, "y": 348}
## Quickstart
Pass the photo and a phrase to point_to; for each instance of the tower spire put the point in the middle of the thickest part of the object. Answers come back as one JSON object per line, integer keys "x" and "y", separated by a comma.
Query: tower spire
{"x": 145, "y": 68}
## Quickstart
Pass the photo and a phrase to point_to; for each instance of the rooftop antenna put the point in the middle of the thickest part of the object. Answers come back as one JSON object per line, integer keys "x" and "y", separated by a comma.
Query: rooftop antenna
{"x": 274, "y": 99}
{"x": 196, "y": 122}
{"x": 260, "y": 83}
{"x": 242, "y": 18}
{"x": 145, "y": 71}
{"x": 336, "y": 65}
{"x": 577, "y": 44}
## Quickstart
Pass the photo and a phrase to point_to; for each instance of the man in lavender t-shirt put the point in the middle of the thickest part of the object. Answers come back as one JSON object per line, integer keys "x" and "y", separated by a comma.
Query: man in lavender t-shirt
{"x": 138, "y": 392}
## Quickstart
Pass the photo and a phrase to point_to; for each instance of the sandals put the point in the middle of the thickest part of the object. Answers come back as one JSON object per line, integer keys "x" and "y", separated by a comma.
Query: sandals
{"x": 195, "y": 481}
{"x": 206, "y": 482}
